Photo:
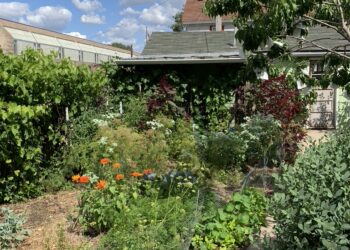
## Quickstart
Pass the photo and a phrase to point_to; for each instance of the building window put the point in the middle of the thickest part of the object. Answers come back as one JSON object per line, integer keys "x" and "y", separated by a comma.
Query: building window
{"x": 60, "y": 53}
{"x": 81, "y": 58}
{"x": 213, "y": 28}
{"x": 15, "y": 48}
{"x": 316, "y": 68}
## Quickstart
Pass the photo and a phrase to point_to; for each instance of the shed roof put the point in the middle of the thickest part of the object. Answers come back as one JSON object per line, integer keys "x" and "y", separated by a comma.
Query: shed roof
{"x": 189, "y": 48}
{"x": 193, "y": 13}
{"x": 221, "y": 47}
{"x": 165, "y": 43}
{"x": 323, "y": 36}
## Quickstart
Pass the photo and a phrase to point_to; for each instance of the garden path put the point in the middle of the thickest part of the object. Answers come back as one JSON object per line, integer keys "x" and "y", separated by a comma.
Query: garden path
{"x": 46, "y": 218}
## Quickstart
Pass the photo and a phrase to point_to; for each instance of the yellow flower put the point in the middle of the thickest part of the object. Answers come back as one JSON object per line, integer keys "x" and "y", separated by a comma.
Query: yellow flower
{"x": 76, "y": 178}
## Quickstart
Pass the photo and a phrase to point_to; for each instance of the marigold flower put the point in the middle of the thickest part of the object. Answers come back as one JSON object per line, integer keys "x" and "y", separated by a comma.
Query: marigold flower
{"x": 136, "y": 174}
{"x": 76, "y": 178}
{"x": 104, "y": 161}
{"x": 101, "y": 184}
{"x": 119, "y": 177}
{"x": 147, "y": 171}
{"x": 117, "y": 165}
{"x": 84, "y": 179}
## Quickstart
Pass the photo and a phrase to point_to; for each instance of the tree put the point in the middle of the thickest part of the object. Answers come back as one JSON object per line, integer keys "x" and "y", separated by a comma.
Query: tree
{"x": 260, "y": 21}
{"x": 121, "y": 46}
{"x": 178, "y": 26}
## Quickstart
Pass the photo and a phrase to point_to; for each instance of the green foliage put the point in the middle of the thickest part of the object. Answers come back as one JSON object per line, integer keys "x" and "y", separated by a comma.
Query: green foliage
{"x": 153, "y": 224}
{"x": 136, "y": 112}
{"x": 266, "y": 22}
{"x": 122, "y": 144}
{"x": 99, "y": 209}
{"x": 257, "y": 21}
{"x": 263, "y": 135}
{"x": 224, "y": 151}
{"x": 35, "y": 90}
{"x": 121, "y": 46}
{"x": 233, "y": 226}
{"x": 204, "y": 92}
{"x": 11, "y": 229}
{"x": 311, "y": 204}
{"x": 178, "y": 25}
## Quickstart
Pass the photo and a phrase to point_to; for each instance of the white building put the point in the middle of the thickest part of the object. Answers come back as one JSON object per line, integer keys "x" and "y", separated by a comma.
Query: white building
{"x": 16, "y": 37}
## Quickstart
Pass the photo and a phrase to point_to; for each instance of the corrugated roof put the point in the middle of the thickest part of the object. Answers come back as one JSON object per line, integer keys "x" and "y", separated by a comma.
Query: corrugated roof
{"x": 179, "y": 43}
{"x": 193, "y": 13}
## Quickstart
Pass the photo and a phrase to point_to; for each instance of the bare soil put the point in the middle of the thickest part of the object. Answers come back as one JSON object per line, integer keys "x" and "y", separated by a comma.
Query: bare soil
{"x": 46, "y": 218}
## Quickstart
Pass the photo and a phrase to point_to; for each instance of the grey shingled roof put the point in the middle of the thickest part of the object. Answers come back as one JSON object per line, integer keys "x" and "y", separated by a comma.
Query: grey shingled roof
{"x": 323, "y": 36}
{"x": 220, "y": 47}
{"x": 180, "y": 43}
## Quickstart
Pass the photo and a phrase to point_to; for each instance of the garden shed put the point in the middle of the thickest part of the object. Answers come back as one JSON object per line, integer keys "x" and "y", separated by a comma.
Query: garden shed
{"x": 221, "y": 51}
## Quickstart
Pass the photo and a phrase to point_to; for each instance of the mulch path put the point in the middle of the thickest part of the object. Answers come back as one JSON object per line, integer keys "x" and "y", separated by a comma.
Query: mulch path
{"x": 46, "y": 219}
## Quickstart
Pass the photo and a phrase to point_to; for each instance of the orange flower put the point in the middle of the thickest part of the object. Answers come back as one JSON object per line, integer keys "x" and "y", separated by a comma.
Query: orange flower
{"x": 136, "y": 174}
{"x": 104, "y": 161}
{"x": 84, "y": 179}
{"x": 76, "y": 178}
{"x": 101, "y": 184}
{"x": 147, "y": 171}
{"x": 119, "y": 177}
{"x": 117, "y": 165}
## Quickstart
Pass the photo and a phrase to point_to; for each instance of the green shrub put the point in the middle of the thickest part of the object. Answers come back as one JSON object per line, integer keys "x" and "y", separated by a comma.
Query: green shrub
{"x": 224, "y": 151}
{"x": 311, "y": 204}
{"x": 182, "y": 144}
{"x": 263, "y": 136}
{"x": 153, "y": 224}
{"x": 101, "y": 205}
{"x": 98, "y": 209}
{"x": 11, "y": 229}
{"x": 136, "y": 113}
{"x": 147, "y": 149}
{"x": 233, "y": 226}
{"x": 35, "y": 92}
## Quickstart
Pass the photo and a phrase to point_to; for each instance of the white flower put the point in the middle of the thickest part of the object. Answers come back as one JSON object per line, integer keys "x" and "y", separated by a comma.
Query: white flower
{"x": 103, "y": 140}
{"x": 154, "y": 124}
{"x": 195, "y": 126}
{"x": 111, "y": 116}
{"x": 100, "y": 123}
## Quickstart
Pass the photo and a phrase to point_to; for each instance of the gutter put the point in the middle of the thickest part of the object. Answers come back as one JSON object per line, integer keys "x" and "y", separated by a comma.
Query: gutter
{"x": 177, "y": 61}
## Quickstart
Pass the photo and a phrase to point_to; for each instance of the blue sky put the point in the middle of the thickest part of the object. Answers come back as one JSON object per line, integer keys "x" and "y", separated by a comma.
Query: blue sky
{"x": 104, "y": 21}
